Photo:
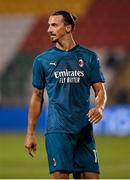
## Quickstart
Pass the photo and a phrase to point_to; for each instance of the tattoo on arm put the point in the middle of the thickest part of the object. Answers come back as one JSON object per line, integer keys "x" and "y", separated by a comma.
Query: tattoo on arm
{"x": 39, "y": 93}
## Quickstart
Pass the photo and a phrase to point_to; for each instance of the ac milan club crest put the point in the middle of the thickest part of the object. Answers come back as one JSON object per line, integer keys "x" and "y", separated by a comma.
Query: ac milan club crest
{"x": 54, "y": 161}
{"x": 81, "y": 63}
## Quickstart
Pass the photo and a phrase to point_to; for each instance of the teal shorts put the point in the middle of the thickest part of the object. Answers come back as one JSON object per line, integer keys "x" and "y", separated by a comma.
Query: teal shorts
{"x": 72, "y": 152}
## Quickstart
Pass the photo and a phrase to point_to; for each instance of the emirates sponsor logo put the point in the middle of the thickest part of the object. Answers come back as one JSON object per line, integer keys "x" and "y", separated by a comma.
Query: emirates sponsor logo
{"x": 69, "y": 76}
{"x": 67, "y": 73}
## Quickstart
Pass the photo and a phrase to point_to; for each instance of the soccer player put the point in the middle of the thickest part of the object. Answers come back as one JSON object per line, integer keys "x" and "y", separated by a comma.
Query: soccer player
{"x": 67, "y": 71}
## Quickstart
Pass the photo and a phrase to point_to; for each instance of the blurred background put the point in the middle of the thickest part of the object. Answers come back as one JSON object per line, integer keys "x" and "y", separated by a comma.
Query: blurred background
{"x": 104, "y": 27}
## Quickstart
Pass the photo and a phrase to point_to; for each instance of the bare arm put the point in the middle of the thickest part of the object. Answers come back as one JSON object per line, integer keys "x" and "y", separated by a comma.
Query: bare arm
{"x": 95, "y": 114}
{"x": 35, "y": 108}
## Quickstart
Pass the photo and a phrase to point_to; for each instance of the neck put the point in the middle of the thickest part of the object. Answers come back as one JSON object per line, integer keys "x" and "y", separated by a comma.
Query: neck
{"x": 66, "y": 44}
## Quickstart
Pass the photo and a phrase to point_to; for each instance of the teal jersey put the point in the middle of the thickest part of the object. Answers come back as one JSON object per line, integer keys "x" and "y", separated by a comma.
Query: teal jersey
{"x": 67, "y": 77}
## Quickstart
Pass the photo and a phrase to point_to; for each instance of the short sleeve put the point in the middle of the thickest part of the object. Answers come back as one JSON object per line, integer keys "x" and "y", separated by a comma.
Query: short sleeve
{"x": 38, "y": 78}
{"x": 95, "y": 73}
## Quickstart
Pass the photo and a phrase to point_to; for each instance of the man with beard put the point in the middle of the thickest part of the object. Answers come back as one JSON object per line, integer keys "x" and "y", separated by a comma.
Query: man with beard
{"x": 67, "y": 71}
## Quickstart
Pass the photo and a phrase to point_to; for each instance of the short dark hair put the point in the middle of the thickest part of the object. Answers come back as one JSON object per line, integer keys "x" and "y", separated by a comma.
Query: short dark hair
{"x": 68, "y": 17}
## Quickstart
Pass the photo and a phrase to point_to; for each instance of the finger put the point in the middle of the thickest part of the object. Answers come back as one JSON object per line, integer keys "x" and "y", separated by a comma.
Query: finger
{"x": 29, "y": 149}
{"x": 90, "y": 113}
{"x": 34, "y": 149}
{"x": 26, "y": 146}
{"x": 94, "y": 115}
{"x": 95, "y": 118}
{"x": 30, "y": 152}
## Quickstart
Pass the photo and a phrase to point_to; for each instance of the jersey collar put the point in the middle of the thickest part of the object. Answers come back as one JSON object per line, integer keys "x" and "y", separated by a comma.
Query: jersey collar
{"x": 70, "y": 50}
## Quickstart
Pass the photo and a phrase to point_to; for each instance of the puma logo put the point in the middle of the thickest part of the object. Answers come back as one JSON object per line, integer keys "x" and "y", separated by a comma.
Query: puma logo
{"x": 52, "y": 63}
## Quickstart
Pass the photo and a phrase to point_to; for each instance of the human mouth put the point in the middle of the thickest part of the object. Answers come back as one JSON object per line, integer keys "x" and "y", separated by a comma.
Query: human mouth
{"x": 52, "y": 35}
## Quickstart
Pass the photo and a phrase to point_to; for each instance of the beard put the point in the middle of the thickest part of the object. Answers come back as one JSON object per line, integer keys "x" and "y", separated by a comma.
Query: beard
{"x": 56, "y": 38}
{"x": 53, "y": 38}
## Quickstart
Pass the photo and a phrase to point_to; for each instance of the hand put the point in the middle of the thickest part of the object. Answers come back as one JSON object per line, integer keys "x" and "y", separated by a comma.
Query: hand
{"x": 31, "y": 144}
{"x": 95, "y": 115}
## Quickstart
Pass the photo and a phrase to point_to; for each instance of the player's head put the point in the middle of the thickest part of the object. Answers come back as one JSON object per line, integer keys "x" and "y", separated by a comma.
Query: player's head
{"x": 60, "y": 24}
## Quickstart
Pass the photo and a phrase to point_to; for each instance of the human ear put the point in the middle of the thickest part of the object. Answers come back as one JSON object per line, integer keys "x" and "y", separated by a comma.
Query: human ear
{"x": 68, "y": 28}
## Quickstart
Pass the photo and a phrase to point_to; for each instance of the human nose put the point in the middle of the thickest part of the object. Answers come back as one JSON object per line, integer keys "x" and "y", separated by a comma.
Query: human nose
{"x": 49, "y": 29}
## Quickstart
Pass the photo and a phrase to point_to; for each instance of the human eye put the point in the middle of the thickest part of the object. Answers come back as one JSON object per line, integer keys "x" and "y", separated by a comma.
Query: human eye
{"x": 54, "y": 24}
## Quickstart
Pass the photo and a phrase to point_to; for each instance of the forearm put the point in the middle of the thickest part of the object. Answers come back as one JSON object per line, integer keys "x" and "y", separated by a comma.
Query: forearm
{"x": 95, "y": 114}
{"x": 100, "y": 98}
{"x": 34, "y": 110}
